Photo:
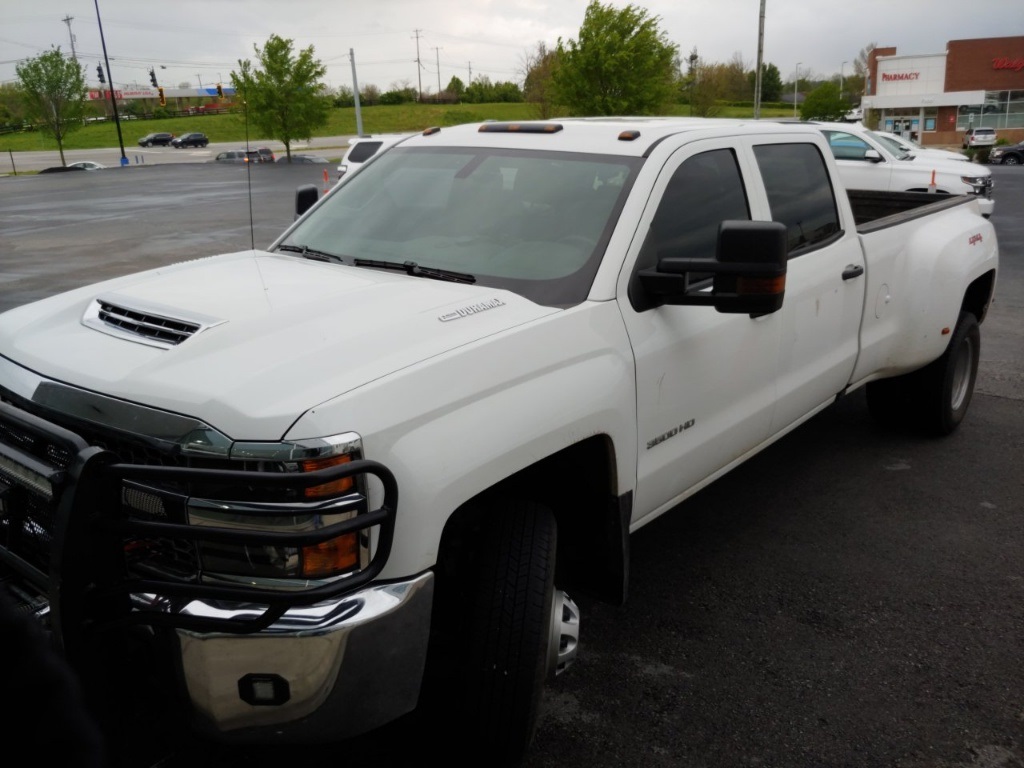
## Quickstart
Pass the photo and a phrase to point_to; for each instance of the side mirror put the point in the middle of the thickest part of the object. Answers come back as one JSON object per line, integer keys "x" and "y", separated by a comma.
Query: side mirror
{"x": 748, "y": 271}
{"x": 305, "y": 198}
{"x": 872, "y": 155}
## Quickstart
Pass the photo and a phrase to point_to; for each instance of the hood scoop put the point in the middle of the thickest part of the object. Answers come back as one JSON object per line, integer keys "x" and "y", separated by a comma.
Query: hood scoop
{"x": 145, "y": 322}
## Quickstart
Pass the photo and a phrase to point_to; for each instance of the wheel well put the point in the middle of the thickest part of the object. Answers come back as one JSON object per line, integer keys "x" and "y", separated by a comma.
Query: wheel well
{"x": 979, "y": 296}
{"x": 578, "y": 485}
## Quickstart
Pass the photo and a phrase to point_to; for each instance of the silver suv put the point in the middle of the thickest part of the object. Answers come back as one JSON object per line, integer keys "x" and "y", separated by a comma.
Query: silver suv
{"x": 979, "y": 137}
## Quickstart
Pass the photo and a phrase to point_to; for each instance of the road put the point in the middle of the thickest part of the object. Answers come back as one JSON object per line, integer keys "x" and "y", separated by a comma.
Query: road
{"x": 853, "y": 596}
{"x": 24, "y": 162}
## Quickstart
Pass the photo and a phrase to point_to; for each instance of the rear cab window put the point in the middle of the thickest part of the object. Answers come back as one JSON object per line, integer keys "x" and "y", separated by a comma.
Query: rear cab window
{"x": 800, "y": 194}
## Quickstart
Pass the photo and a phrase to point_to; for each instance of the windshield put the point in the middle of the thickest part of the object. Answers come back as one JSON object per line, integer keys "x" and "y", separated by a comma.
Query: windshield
{"x": 894, "y": 146}
{"x": 531, "y": 222}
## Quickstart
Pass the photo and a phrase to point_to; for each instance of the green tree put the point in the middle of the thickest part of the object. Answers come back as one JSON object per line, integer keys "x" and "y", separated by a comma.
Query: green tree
{"x": 538, "y": 69}
{"x": 53, "y": 89}
{"x": 456, "y": 87}
{"x": 736, "y": 86}
{"x": 704, "y": 85}
{"x": 283, "y": 93}
{"x": 824, "y": 103}
{"x": 12, "y": 105}
{"x": 771, "y": 82}
{"x": 621, "y": 64}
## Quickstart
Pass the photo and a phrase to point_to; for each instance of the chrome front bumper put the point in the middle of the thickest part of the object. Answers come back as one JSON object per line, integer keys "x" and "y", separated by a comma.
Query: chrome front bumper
{"x": 323, "y": 672}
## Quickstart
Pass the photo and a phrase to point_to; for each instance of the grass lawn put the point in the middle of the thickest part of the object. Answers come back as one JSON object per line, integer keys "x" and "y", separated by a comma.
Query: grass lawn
{"x": 341, "y": 122}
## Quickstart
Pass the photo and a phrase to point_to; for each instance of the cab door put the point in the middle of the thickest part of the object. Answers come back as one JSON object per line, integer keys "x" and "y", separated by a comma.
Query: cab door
{"x": 825, "y": 282}
{"x": 705, "y": 381}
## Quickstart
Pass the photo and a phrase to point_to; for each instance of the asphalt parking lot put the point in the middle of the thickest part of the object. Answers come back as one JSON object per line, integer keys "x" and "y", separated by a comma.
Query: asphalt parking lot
{"x": 853, "y": 596}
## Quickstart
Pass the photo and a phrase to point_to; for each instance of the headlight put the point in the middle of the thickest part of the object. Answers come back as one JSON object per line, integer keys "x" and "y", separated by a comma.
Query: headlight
{"x": 268, "y": 528}
{"x": 310, "y": 508}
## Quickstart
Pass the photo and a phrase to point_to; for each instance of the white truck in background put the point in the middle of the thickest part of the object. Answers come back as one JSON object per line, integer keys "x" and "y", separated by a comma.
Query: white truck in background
{"x": 313, "y": 488}
{"x": 866, "y": 163}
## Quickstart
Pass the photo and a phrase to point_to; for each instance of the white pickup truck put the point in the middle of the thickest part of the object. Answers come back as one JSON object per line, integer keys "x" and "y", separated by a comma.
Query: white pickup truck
{"x": 866, "y": 162}
{"x": 359, "y": 473}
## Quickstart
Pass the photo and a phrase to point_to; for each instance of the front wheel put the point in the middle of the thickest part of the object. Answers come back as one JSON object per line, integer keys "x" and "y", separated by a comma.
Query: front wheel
{"x": 504, "y": 629}
{"x": 1011, "y": 160}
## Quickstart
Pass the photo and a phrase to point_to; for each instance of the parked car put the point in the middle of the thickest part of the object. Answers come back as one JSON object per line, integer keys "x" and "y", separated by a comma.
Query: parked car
{"x": 238, "y": 156}
{"x": 979, "y": 137}
{"x": 866, "y": 163}
{"x": 266, "y": 154}
{"x": 156, "y": 140}
{"x": 362, "y": 148}
{"x": 904, "y": 146}
{"x": 190, "y": 140}
{"x": 1010, "y": 154}
{"x": 86, "y": 165}
{"x": 304, "y": 159}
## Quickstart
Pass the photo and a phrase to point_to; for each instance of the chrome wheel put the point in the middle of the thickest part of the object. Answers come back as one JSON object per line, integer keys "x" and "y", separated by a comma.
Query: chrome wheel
{"x": 963, "y": 374}
{"x": 564, "y": 640}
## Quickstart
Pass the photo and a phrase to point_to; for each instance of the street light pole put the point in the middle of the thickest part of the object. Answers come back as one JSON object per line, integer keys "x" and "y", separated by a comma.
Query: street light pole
{"x": 841, "y": 67}
{"x": 796, "y": 83}
{"x": 110, "y": 78}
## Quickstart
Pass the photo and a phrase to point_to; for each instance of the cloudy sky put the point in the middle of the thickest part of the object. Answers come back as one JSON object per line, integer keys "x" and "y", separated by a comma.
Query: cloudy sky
{"x": 201, "y": 41}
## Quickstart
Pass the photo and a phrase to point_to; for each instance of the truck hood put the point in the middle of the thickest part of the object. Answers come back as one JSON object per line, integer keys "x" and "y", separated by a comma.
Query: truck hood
{"x": 266, "y": 336}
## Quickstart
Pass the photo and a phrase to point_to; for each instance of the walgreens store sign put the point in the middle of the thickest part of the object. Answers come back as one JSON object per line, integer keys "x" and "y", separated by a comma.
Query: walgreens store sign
{"x": 1005, "y": 62}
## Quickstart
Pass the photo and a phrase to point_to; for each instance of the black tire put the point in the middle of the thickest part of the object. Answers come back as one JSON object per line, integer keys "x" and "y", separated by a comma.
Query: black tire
{"x": 149, "y": 143}
{"x": 1011, "y": 160}
{"x": 505, "y": 656}
{"x": 945, "y": 386}
{"x": 936, "y": 397}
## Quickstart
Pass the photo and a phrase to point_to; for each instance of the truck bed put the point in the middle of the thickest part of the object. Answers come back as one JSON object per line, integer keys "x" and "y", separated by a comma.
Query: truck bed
{"x": 873, "y": 210}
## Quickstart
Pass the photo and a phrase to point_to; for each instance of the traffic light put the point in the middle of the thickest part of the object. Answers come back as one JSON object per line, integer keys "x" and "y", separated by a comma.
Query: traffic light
{"x": 220, "y": 91}
{"x": 99, "y": 73}
{"x": 152, "y": 77}
{"x": 163, "y": 100}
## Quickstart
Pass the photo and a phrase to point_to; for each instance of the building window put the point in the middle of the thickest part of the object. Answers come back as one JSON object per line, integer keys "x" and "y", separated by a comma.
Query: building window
{"x": 1002, "y": 109}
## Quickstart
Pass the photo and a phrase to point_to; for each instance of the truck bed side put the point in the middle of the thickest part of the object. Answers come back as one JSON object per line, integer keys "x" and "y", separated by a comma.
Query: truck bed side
{"x": 920, "y": 256}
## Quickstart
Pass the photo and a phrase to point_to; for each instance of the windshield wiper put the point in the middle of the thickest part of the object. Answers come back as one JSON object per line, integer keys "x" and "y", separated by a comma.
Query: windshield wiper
{"x": 309, "y": 253}
{"x": 414, "y": 269}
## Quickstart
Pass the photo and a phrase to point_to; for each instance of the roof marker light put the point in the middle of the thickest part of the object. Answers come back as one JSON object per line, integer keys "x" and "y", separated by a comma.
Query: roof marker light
{"x": 520, "y": 128}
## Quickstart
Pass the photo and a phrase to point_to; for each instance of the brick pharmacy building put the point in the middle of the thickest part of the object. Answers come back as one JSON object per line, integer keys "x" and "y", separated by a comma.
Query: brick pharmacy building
{"x": 935, "y": 98}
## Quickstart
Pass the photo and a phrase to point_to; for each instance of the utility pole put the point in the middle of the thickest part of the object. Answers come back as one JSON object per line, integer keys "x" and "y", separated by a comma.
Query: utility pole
{"x": 67, "y": 20}
{"x": 470, "y": 73}
{"x": 200, "y": 79}
{"x": 437, "y": 62}
{"x": 419, "y": 74}
{"x": 760, "y": 64}
{"x": 355, "y": 93}
{"x": 796, "y": 83}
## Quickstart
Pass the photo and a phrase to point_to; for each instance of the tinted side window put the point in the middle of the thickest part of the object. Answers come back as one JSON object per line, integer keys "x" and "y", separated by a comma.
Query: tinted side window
{"x": 800, "y": 193}
{"x": 704, "y": 191}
